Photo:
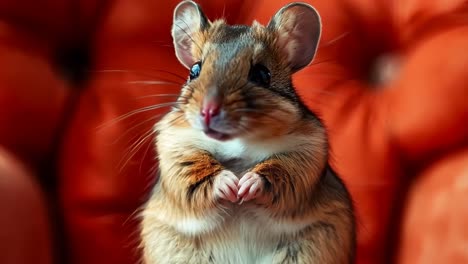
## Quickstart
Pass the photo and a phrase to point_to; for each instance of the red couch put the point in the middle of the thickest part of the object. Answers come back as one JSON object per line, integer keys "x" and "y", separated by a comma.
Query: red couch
{"x": 76, "y": 160}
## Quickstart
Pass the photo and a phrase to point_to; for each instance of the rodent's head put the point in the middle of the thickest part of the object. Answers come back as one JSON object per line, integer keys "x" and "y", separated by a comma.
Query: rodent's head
{"x": 240, "y": 76}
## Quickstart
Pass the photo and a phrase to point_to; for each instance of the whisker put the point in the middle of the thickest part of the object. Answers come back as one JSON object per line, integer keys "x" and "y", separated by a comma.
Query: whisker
{"x": 224, "y": 10}
{"x": 123, "y": 71}
{"x": 329, "y": 43}
{"x": 128, "y": 154}
{"x": 176, "y": 119}
{"x": 153, "y": 118}
{"x": 143, "y": 158}
{"x": 166, "y": 45}
{"x": 189, "y": 88}
{"x": 177, "y": 108}
{"x": 333, "y": 41}
{"x": 154, "y": 83}
{"x": 153, "y": 173}
{"x": 157, "y": 95}
{"x": 153, "y": 170}
{"x": 162, "y": 43}
{"x": 133, "y": 215}
{"x": 143, "y": 73}
{"x": 184, "y": 79}
{"x": 136, "y": 111}
{"x": 135, "y": 147}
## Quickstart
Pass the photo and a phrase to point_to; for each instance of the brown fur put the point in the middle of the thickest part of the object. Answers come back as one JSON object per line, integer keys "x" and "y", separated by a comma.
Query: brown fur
{"x": 299, "y": 190}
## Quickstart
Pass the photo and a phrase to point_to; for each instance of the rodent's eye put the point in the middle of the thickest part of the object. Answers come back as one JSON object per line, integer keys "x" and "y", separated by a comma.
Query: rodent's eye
{"x": 260, "y": 75}
{"x": 195, "y": 70}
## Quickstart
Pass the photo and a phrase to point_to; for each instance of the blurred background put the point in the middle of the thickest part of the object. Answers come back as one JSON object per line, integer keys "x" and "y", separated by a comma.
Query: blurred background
{"x": 81, "y": 84}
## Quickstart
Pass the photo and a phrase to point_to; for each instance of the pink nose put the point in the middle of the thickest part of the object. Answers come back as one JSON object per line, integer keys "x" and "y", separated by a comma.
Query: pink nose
{"x": 210, "y": 109}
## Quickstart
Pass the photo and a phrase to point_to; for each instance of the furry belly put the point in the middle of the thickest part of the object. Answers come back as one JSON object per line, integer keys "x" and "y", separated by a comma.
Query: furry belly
{"x": 239, "y": 238}
{"x": 240, "y": 241}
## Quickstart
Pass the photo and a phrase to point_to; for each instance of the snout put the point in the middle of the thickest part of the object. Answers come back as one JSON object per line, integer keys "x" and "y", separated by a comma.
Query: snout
{"x": 214, "y": 119}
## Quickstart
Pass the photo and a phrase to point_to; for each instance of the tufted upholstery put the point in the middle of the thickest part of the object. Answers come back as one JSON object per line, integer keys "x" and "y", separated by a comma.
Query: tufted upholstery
{"x": 76, "y": 76}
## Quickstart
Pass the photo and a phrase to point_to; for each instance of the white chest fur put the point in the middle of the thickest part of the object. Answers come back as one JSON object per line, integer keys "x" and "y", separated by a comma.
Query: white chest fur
{"x": 246, "y": 152}
{"x": 237, "y": 234}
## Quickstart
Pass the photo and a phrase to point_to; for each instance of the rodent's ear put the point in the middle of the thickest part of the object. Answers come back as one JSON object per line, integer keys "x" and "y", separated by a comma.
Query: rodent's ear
{"x": 298, "y": 26}
{"x": 188, "y": 19}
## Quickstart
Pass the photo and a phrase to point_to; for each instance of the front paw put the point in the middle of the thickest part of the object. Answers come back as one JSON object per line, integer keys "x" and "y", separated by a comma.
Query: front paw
{"x": 251, "y": 186}
{"x": 225, "y": 186}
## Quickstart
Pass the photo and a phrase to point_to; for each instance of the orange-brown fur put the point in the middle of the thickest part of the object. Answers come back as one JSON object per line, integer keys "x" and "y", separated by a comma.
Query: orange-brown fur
{"x": 239, "y": 65}
{"x": 303, "y": 213}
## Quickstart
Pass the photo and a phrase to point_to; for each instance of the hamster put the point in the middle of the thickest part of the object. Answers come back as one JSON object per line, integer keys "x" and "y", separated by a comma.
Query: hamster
{"x": 243, "y": 164}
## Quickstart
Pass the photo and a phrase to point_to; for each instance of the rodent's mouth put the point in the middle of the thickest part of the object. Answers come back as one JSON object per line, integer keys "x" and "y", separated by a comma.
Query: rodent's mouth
{"x": 217, "y": 135}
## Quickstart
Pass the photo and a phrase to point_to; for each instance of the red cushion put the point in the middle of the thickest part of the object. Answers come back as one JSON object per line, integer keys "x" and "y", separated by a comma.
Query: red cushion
{"x": 372, "y": 132}
{"x": 31, "y": 95}
{"x": 381, "y": 135}
{"x": 434, "y": 228}
{"x": 24, "y": 221}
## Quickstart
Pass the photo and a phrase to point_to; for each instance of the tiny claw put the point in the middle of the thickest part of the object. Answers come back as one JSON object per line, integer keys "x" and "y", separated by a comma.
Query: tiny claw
{"x": 250, "y": 187}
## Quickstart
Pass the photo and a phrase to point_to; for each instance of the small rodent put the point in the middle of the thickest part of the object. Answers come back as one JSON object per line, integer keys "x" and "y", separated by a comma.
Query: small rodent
{"x": 243, "y": 164}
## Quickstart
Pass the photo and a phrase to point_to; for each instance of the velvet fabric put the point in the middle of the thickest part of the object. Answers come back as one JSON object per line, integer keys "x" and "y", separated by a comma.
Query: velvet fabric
{"x": 78, "y": 79}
